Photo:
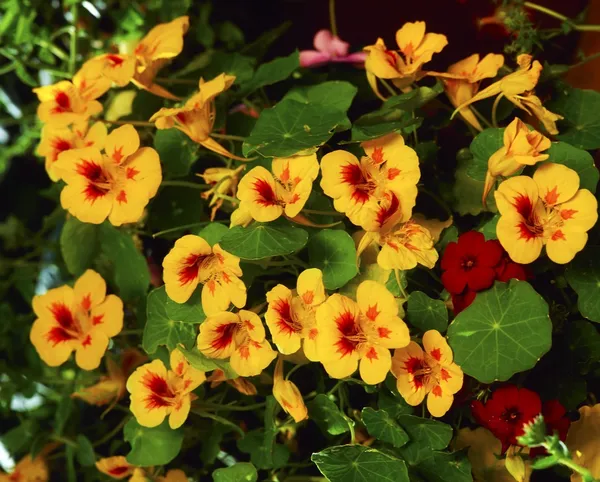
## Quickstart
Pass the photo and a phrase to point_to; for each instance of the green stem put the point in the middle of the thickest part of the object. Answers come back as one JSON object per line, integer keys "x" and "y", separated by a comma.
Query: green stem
{"x": 219, "y": 419}
{"x": 73, "y": 46}
{"x": 64, "y": 440}
{"x": 322, "y": 213}
{"x": 131, "y": 122}
{"x": 561, "y": 17}
{"x": 231, "y": 199}
{"x": 585, "y": 473}
{"x": 227, "y": 136}
{"x": 332, "y": 21}
{"x": 166, "y": 80}
{"x": 230, "y": 408}
{"x": 137, "y": 331}
{"x": 8, "y": 68}
{"x": 495, "y": 110}
{"x": 388, "y": 87}
{"x": 399, "y": 282}
{"x": 54, "y": 49}
{"x": 184, "y": 227}
{"x": 191, "y": 185}
{"x": 294, "y": 368}
{"x": 111, "y": 434}
{"x": 480, "y": 116}
{"x": 586, "y": 60}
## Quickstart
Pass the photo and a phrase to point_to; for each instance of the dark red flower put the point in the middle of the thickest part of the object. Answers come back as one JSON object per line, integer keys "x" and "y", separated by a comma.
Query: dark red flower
{"x": 470, "y": 262}
{"x": 506, "y": 411}
{"x": 507, "y": 269}
{"x": 461, "y": 301}
{"x": 555, "y": 416}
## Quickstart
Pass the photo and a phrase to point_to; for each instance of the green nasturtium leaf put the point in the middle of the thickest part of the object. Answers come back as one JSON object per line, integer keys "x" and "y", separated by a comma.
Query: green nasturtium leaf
{"x": 446, "y": 467}
{"x": 577, "y": 159}
{"x": 334, "y": 253}
{"x": 467, "y": 193}
{"x": 189, "y": 312}
{"x": 356, "y": 463}
{"x": 488, "y": 228}
{"x": 425, "y": 436}
{"x": 272, "y": 72}
{"x": 327, "y": 415}
{"x": 161, "y": 329}
{"x": 426, "y": 313}
{"x": 581, "y": 110}
{"x": 383, "y": 427}
{"x": 263, "y": 240}
{"x": 152, "y": 446}
{"x": 232, "y": 63}
{"x": 79, "y": 243}
{"x": 213, "y": 233}
{"x": 240, "y": 472}
{"x": 177, "y": 152}
{"x": 201, "y": 362}
{"x": 85, "y": 451}
{"x": 584, "y": 277}
{"x": 482, "y": 147}
{"x": 583, "y": 341}
{"x": 506, "y": 330}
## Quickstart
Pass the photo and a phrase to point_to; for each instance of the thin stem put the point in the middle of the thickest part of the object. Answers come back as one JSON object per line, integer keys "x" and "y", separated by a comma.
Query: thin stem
{"x": 561, "y": 17}
{"x": 64, "y": 440}
{"x": 388, "y": 87}
{"x": 183, "y": 227}
{"x": 495, "y": 110}
{"x": 480, "y": 116}
{"x": 8, "y": 68}
{"x": 230, "y": 408}
{"x": 227, "y": 136}
{"x": 166, "y": 80}
{"x": 133, "y": 123}
{"x": 111, "y": 434}
{"x": 332, "y": 21}
{"x": 54, "y": 49}
{"x": 218, "y": 419}
{"x": 191, "y": 185}
{"x": 231, "y": 199}
{"x": 585, "y": 473}
{"x": 294, "y": 368}
{"x": 586, "y": 60}
{"x": 137, "y": 331}
{"x": 322, "y": 213}
{"x": 73, "y": 46}
{"x": 399, "y": 282}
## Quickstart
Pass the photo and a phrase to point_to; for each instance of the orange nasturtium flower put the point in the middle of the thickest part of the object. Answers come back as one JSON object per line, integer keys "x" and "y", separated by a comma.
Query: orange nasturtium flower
{"x": 58, "y": 139}
{"x": 192, "y": 261}
{"x": 403, "y": 66}
{"x": 463, "y": 79}
{"x": 62, "y": 104}
{"x": 238, "y": 336}
{"x": 428, "y": 372}
{"x": 80, "y": 319}
{"x": 549, "y": 210}
{"x": 197, "y": 117}
{"x": 157, "y": 392}
{"x": 223, "y": 181}
{"x": 265, "y": 195}
{"x": 360, "y": 331}
{"x": 115, "y": 467}
{"x": 287, "y": 394}
{"x": 174, "y": 475}
{"x": 27, "y": 470}
{"x": 522, "y": 147}
{"x": 241, "y": 384}
{"x": 517, "y": 87}
{"x": 116, "y": 185}
{"x": 291, "y": 314}
{"x": 583, "y": 441}
{"x": 359, "y": 187}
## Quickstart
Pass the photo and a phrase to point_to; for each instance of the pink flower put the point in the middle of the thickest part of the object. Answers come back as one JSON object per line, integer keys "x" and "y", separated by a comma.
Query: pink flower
{"x": 329, "y": 48}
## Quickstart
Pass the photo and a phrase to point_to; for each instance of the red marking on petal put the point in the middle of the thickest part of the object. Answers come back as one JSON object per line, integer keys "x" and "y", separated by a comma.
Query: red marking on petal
{"x": 115, "y": 60}
{"x": 180, "y": 367}
{"x": 383, "y": 332}
{"x": 308, "y": 297}
{"x": 372, "y": 312}
{"x": 97, "y": 320}
{"x": 62, "y": 101}
{"x": 385, "y": 213}
{"x": 352, "y": 174}
{"x": 436, "y": 353}
{"x": 189, "y": 268}
{"x": 437, "y": 391}
{"x": 266, "y": 195}
{"x": 551, "y": 197}
{"x": 181, "y": 117}
{"x": 527, "y": 232}
{"x": 568, "y": 213}
{"x": 393, "y": 173}
{"x": 412, "y": 366}
{"x": 225, "y": 277}
{"x": 295, "y": 199}
{"x": 87, "y": 341}
{"x": 377, "y": 156}
{"x": 346, "y": 325}
{"x": 285, "y": 174}
{"x": 523, "y": 205}
{"x": 122, "y": 197}
{"x": 159, "y": 391}
{"x": 212, "y": 287}
{"x": 372, "y": 354}
{"x": 120, "y": 470}
{"x": 558, "y": 235}
{"x": 132, "y": 172}
{"x": 312, "y": 334}
{"x": 244, "y": 351}
{"x": 58, "y": 335}
{"x": 61, "y": 145}
{"x": 117, "y": 155}
{"x": 86, "y": 301}
{"x": 224, "y": 336}
{"x": 62, "y": 315}
{"x": 285, "y": 323}
{"x": 445, "y": 375}
{"x": 249, "y": 325}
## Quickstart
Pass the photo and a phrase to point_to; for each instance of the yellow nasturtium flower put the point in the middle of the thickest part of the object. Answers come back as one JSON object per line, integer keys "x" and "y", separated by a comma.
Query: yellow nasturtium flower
{"x": 546, "y": 210}
{"x": 197, "y": 117}
{"x": 58, "y": 139}
{"x": 116, "y": 184}
{"x": 223, "y": 181}
{"x": 266, "y": 196}
{"x": 360, "y": 187}
{"x": 522, "y": 147}
{"x": 28, "y": 470}
{"x": 62, "y": 104}
{"x": 291, "y": 314}
{"x": 115, "y": 467}
{"x": 360, "y": 331}
{"x": 238, "y": 336}
{"x": 157, "y": 392}
{"x": 430, "y": 372}
{"x": 404, "y": 66}
{"x": 191, "y": 262}
{"x": 80, "y": 319}
{"x": 517, "y": 87}
{"x": 174, "y": 475}
{"x": 287, "y": 394}
{"x": 583, "y": 440}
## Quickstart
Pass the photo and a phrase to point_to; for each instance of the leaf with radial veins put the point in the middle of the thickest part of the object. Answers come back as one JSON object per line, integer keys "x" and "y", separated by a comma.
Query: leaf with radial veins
{"x": 383, "y": 427}
{"x": 506, "y": 330}
{"x": 584, "y": 277}
{"x": 334, "y": 253}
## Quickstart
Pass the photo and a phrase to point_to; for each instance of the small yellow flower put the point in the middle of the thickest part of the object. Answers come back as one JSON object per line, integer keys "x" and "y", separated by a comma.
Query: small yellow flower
{"x": 522, "y": 147}
{"x": 288, "y": 395}
{"x": 157, "y": 392}
{"x": 240, "y": 217}
{"x": 428, "y": 372}
{"x": 116, "y": 185}
{"x": 62, "y": 104}
{"x": 549, "y": 210}
{"x": 241, "y": 384}
{"x": 56, "y": 140}
{"x": 115, "y": 467}
{"x": 80, "y": 319}
{"x": 174, "y": 475}
{"x": 360, "y": 331}
{"x": 388, "y": 174}
{"x": 197, "y": 117}
{"x": 192, "y": 261}
{"x": 28, "y": 470}
{"x": 291, "y": 315}
{"x": 238, "y": 336}
{"x": 268, "y": 195}
{"x": 223, "y": 181}
{"x": 403, "y": 66}
{"x": 583, "y": 440}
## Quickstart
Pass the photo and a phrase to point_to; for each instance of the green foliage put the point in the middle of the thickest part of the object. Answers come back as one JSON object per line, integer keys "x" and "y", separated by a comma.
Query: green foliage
{"x": 79, "y": 243}
{"x": 240, "y": 472}
{"x": 333, "y": 252}
{"x": 577, "y": 159}
{"x": 152, "y": 446}
{"x": 580, "y": 109}
{"x": 483, "y": 146}
{"x": 426, "y": 313}
{"x": 177, "y": 152}
{"x": 327, "y": 415}
{"x": 425, "y": 435}
{"x": 272, "y": 72}
{"x": 85, "y": 451}
{"x": 383, "y": 427}
{"x": 584, "y": 277}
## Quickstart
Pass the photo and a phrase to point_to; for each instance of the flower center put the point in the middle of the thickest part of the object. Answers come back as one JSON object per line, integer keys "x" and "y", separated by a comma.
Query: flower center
{"x": 512, "y": 415}
{"x": 468, "y": 263}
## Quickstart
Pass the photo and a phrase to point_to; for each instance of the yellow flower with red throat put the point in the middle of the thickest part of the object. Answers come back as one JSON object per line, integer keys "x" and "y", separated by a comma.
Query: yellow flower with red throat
{"x": 224, "y": 181}
{"x": 517, "y": 87}
{"x": 80, "y": 319}
{"x": 522, "y": 147}
{"x": 361, "y": 331}
{"x": 191, "y": 262}
{"x": 116, "y": 184}
{"x": 284, "y": 191}
{"x": 463, "y": 79}
{"x": 28, "y": 470}
{"x": 291, "y": 314}
{"x": 287, "y": 394}
{"x": 549, "y": 210}
{"x": 56, "y": 140}
{"x": 238, "y": 336}
{"x": 403, "y": 66}
{"x": 157, "y": 392}
{"x": 429, "y": 371}
{"x": 197, "y": 117}
{"x": 389, "y": 173}
{"x": 115, "y": 467}
{"x": 62, "y": 104}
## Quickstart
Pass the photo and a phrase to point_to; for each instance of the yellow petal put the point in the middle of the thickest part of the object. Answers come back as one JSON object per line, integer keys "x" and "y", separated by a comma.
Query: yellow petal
{"x": 258, "y": 192}
{"x": 181, "y": 266}
{"x": 116, "y": 467}
{"x": 556, "y": 183}
{"x": 439, "y": 401}
{"x": 89, "y": 290}
{"x": 436, "y": 346}
{"x": 375, "y": 364}
{"x": 310, "y": 287}
{"x": 121, "y": 143}
{"x": 217, "y": 338}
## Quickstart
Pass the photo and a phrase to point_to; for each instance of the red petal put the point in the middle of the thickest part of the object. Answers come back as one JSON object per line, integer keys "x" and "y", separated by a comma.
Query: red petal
{"x": 454, "y": 281}
{"x": 451, "y": 258}
{"x": 480, "y": 278}
{"x": 491, "y": 254}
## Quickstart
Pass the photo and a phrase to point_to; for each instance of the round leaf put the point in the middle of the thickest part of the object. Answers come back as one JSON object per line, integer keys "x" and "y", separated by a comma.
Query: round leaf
{"x": 383, "y": 427}
{"x": 334, "y": 253}
{"x": 426, "y": 313}
{"x": 584, "y": 277}
{"x": 577, "y": 159}
{"x": 240, "y": 472}
{"x": 483, "y": 146}
{"x": 152, "y": 446}
{"x": 79, "y": 244}
{"x": 505, "y": 331}
{"x": 581, "y": 110}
